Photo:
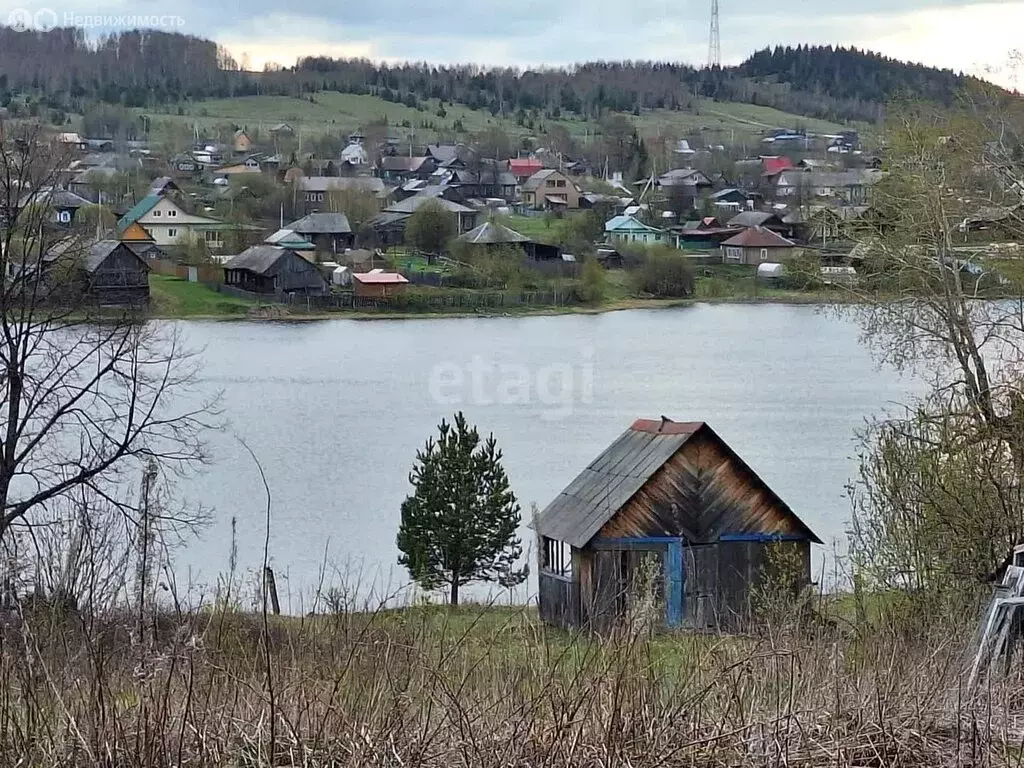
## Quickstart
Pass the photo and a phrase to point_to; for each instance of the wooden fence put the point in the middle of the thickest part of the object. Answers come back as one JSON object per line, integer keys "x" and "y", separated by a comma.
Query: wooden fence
{"x": 456, "y": 301}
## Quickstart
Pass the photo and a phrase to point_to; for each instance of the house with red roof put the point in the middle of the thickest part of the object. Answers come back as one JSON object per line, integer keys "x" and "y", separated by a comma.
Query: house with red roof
{"x": 772, "y": 165}
{"x": 524, "y": 167}
{"x": 756, "y": 245}
{"x": 378, "y": 284}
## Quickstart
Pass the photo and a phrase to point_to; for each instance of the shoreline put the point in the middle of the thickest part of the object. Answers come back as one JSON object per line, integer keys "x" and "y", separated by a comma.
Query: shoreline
{"x": 621, "y": 305}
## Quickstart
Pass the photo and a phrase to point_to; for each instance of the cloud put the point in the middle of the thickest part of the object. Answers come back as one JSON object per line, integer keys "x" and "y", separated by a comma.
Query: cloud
{"x": 960, "y": 34}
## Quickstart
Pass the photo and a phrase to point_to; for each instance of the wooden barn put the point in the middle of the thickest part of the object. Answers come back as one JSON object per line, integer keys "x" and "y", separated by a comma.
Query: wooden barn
{"x": 272, "y": 270}
{"x": 669, "y": 501}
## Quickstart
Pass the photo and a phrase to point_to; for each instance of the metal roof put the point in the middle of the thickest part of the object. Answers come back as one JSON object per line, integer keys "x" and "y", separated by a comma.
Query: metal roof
{"x": 379, "y": 277}
{"x": 623, "y": 468}
{"x": 611, "y": 480}
{"x": 322, "y": 224}
{"x": 140, "y": 209}
{"x": 490, "y": 233}
{"x": 412, "y": 204}
{"x": 758, "y": 237}
{"x": 258, "y": 258}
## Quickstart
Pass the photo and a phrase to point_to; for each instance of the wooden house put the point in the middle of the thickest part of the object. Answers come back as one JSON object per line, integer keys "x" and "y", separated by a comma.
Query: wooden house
{"x": 378, "y": 284}
{"x": 73, "y": 271}
{"x": 114, "y": 275}
{"x": 674, "y": 501}
{"x": 550, "y": 189}
{"x": 329, "y": 232}
{"x": 628, "y": 229}
{"x": 755, "y": 245}
{"x": 492, "y": 236}
{"x": 271, "y": 270}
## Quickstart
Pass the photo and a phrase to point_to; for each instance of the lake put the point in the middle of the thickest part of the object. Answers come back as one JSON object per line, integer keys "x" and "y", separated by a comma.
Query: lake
{"x": 335, "y": 411}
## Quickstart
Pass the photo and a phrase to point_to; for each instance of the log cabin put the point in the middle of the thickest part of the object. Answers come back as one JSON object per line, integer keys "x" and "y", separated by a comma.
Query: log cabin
{"x": 673, "y": 502}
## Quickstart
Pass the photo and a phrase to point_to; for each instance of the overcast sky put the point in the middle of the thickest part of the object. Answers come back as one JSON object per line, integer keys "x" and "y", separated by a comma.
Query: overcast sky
{"x": 976, "y": 37}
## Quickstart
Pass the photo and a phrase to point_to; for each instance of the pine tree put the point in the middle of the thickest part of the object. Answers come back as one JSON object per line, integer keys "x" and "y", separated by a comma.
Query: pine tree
{"x": 460, "y": 523}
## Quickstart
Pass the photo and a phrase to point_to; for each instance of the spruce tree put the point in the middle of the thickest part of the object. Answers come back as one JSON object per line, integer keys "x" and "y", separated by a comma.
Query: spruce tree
{"x": 460, "y": 523}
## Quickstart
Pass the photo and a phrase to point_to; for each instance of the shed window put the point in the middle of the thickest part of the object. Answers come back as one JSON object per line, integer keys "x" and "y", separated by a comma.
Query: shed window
{"x": 557, "y": 557}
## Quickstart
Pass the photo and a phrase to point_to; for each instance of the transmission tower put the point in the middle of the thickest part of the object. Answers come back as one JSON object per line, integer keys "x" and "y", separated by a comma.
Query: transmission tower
{"x": 714, "y": 39}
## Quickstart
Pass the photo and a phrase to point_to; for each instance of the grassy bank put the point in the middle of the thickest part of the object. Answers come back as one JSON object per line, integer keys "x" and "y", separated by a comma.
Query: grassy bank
{"x": 488, "y": 687}
{"x": 172, "y": 297}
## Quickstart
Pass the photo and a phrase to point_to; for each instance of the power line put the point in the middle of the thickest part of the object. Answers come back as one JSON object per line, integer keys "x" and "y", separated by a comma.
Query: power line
{"x": 714, "y": 39}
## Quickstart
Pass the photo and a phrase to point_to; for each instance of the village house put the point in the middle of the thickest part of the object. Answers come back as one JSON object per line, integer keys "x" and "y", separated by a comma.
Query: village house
{"x": 250, "y": 164}
{"x": 820, "y": 224}
{"x": 329, "y": 232}
{"x": 62, "y": 204}
{"x": 551, "y": 189}
{"x": 104, "y": 273}
{"x": 398, "y": 169}
{"x": 267, "y": 269}
{"x": 624, "y": 229}
{"x": 114, "y": 275}
{"x": 286, "y": 238}
{"x": 684, "y": 177}
{"x": 668, "y": 514}
{"x": 766, "y": 219}
{"x": 378, "y": 284}
{"x": 729, "y": 198}
{"x": 522, "y": 168}
{"x": 140, "y": 242}
{"x": 313, "y": 193}
{"x": 168, "y": 223}
{"x": 488, "y": 180}
{"x": 755, "y": 245}
{"x": 72, "y": 140}
{"x": 852, "y": 187}
{"x": 706, "y": 233}
{"x": 241, "y": 143}
{"x": 491, "y": 236}
{"x": 281, "y": 130}
{"x": 393, "y": 218}
{"x": 449, "y": 155}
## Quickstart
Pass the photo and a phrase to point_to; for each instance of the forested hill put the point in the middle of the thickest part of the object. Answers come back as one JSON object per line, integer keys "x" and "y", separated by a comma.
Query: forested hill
{"x": 62, "y": 70}
{"x": 848, "y": 73}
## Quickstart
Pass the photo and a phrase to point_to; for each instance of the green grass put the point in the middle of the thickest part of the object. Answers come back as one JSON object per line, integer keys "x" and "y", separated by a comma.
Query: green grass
{"x": 542, "y": 229}
{"x": 174, "y": 297}
{"x": 336, "y": 113}
{"x": 728, "y": 122}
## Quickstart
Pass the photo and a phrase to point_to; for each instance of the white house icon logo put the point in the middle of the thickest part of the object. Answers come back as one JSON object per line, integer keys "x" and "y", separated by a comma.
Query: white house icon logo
{"x": 23, "y": 19}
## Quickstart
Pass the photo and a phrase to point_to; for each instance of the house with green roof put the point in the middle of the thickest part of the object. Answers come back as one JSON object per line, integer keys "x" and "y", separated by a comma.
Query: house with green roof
{"x": 167, "y": 223}
{"x": 628, "y": 229}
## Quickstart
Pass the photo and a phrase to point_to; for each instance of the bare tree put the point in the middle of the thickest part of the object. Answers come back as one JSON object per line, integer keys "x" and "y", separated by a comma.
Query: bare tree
{"x": 90, "y": 395}
{"x": 931, "y": 302}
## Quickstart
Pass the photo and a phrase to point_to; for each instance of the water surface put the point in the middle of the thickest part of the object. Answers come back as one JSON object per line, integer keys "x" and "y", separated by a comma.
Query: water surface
{"x": 336, "y": 410}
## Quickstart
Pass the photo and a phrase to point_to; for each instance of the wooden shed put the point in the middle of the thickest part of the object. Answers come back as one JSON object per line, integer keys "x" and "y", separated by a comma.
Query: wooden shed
{"x": 269, "y": 269}
{"x": 670, "y": 500}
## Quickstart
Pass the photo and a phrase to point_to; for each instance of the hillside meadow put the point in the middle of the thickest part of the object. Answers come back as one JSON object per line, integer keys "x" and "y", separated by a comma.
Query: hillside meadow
{"x": 330, "y": 113}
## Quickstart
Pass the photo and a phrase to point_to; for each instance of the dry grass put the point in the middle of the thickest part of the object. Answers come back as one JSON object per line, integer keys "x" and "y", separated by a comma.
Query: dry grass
{"x": 486, "y": 687}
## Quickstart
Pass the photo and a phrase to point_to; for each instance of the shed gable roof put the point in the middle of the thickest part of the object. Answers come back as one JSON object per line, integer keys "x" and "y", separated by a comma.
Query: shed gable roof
{"x": 259, "y": 259}
{"x": 608, "y": 483}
